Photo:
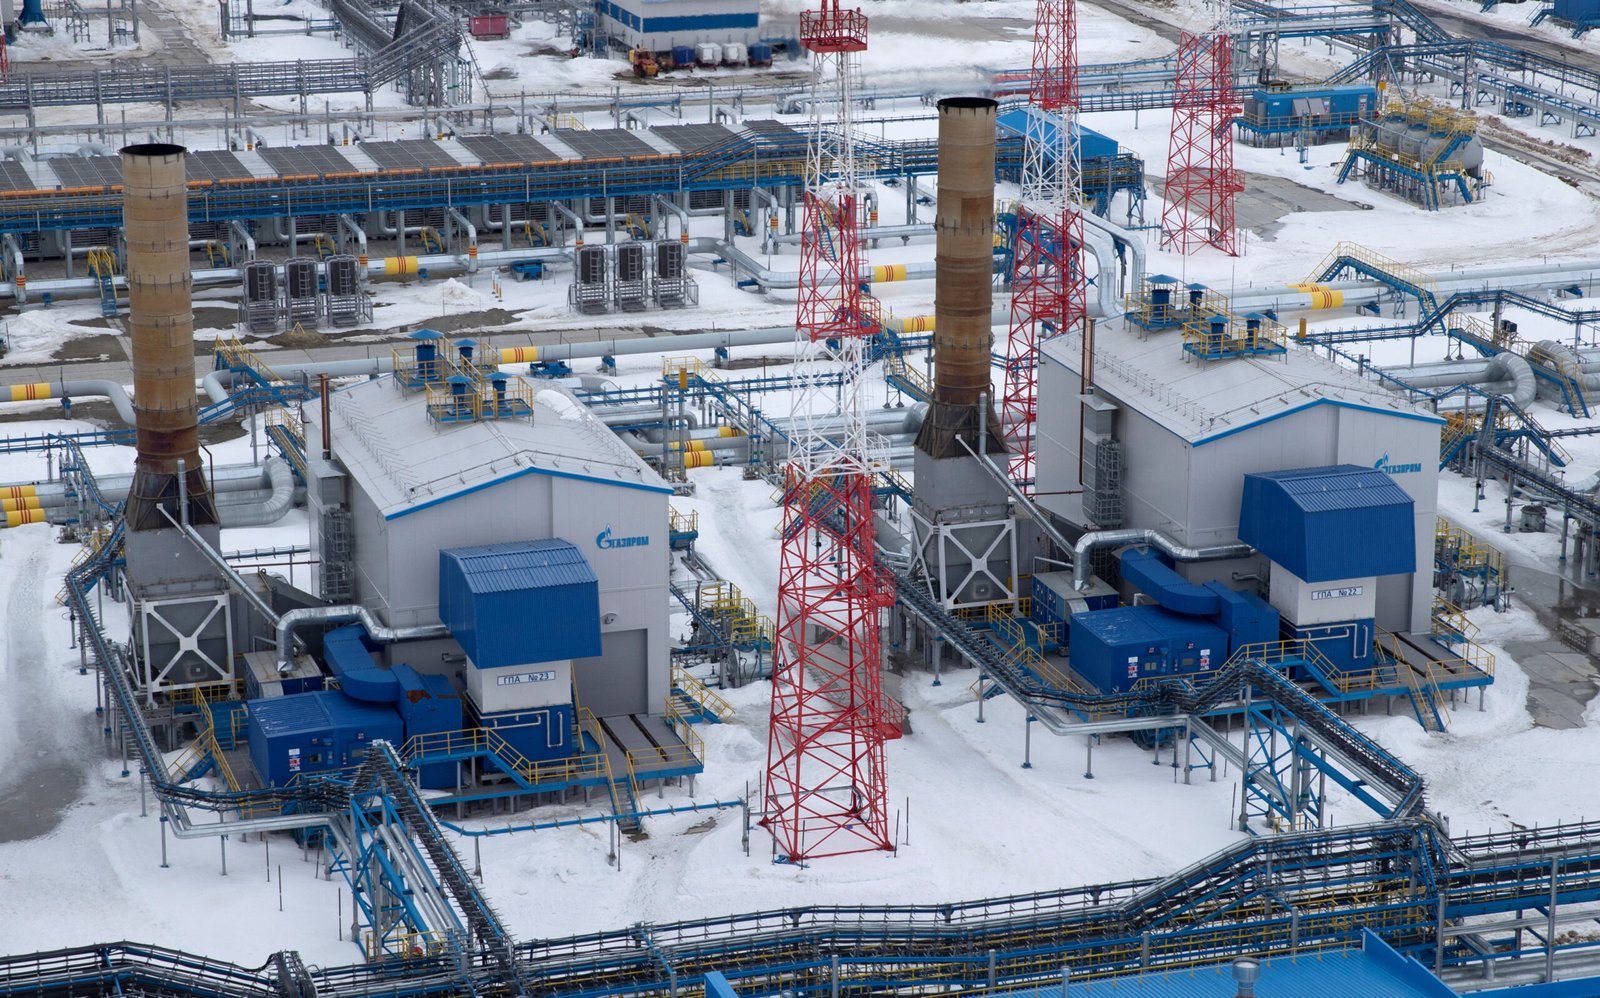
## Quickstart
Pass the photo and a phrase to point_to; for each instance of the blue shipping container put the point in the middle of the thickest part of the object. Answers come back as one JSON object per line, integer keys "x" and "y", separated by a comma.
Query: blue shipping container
{"x": 1577, "y": 11}
{"x": 315, "y": 732}
{"x": 1114, "y": 649}
{"x": 520, "y": 603}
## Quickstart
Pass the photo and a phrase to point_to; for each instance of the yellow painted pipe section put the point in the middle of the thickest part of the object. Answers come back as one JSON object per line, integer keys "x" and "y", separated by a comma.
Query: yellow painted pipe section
{"x": 698, "y": 459}
{"x": 519, "y": 355}
{"x": 917, "y": 324}
{"x": 889, "y": 272}
{"x": 14, "y": 505}
{"x": 24, "y": 516}
{"x": 1324, "y": 298}
{"x": 689, "y": 445}
{"x": 31, "y": 392}
{"x": 17, "y": 491}
{"x": 730, "y": 431}
{"x": 400, "y": 265}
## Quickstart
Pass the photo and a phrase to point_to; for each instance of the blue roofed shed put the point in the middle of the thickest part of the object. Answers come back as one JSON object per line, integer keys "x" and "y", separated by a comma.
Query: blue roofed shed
{"x": 1091, "y": 144}
{"x": 519, "y": 603}
{"x": 1337, "y": 522}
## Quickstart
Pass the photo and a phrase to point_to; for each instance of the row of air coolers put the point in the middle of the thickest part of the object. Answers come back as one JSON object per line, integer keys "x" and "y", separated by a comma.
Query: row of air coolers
{"x": 295, "y": 727}
{"x": 628, "y": 277}
{"x": 272, "y": 301}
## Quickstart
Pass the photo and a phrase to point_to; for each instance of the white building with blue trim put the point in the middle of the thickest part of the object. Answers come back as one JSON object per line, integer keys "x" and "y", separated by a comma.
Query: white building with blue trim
{"x": 412, "y": 487}
{"x": 1166, "y": 441}
{"x": 659, "y": 25}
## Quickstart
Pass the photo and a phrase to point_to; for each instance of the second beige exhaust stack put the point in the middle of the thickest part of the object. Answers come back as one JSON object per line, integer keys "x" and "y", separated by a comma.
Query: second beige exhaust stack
{"x": 155, "y": 222}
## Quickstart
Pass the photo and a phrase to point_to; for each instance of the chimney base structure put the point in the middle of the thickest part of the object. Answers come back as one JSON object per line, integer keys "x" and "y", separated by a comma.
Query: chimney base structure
{"x": 182, "y": 613}
{"x": 962, "y": 523}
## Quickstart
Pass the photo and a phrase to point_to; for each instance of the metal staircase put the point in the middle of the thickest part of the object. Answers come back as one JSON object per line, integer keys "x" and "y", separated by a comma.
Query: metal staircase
{"x": 103, "y": 268}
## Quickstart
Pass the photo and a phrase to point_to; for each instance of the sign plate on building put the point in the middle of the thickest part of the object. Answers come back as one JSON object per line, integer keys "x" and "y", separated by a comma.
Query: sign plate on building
{"x": 524, "y": 677}
{"x": 1337, "y": 593}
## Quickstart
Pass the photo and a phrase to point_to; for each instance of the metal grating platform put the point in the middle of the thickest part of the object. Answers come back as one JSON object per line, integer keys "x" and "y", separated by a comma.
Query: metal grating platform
{"x": 305, "y": 160}
{"x": 87, "y": 171}
{"x": 508, "y": 149}
{"x": 13, "y": 177}
{"x": 694, "y": 138}
{"x": 407, "y": 155}
{"x": 612, "y": 143}
{"x": 766, "y": 129}
{"x": 215, "y": 165}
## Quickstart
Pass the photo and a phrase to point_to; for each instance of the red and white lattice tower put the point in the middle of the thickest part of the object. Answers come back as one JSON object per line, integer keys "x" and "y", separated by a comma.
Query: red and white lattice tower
{"x": 1201, "y": 180}
{"x": 825, "y": 791}
{"x": 1048, "y": 285}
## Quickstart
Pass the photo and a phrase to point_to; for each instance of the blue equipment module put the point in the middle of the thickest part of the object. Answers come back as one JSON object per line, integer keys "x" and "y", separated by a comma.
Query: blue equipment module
{"x": 1248, "y": 619}
{"x": 1338, "y": 522}
{"x": 429, "y": 705}
{"x": 1114, "y": 649}
{"x": 1055, "y": 599}
{"x": 520, "y": 603}
{"x": 314, "y": 733}
{"x": 538, "y": 733}
{"x": 1346, "y": 643}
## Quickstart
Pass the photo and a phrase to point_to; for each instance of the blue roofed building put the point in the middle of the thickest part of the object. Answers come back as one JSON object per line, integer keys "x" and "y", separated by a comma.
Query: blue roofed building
{"x": 1374, "y": 970}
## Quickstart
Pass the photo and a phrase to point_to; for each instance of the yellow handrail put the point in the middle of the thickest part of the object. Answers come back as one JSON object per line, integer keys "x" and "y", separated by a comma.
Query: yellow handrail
{"x": 704, "y": 697}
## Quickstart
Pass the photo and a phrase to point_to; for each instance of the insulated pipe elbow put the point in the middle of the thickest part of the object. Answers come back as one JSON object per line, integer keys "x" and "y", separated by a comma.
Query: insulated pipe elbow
{"x": 271, "y": 511}
{"x": 1118, "y": 538}
{"x": 296, "y": 619}
{"x": 1516, "y": 369}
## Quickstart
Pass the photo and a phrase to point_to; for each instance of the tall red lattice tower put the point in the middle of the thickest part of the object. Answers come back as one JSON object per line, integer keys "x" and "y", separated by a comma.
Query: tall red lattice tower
{"x": 826, "y": 791}
{"x": 1048, "y": 285}
{"x": 1201, "y": 180}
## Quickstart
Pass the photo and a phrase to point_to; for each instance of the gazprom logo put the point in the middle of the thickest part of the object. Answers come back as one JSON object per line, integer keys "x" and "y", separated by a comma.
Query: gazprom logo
{"x": 604, "y": 540}
{"x": 1383, "y": 465}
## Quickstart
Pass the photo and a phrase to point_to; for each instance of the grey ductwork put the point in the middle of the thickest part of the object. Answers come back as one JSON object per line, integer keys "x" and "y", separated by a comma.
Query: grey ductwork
{"x": 1155, "y": 538}
{"x": 271, "y": 511}
{"x": 1507, "y": 366}
{"x": 1503, "y": 374}
{"x": 296, "y": 619}
{"x": 1563, "y": 360}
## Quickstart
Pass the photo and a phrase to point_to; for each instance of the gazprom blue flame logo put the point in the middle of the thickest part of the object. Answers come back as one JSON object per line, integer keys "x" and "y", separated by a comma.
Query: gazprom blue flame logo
{"x": 605, "y": 541}
{"x": 1383, "y": 465}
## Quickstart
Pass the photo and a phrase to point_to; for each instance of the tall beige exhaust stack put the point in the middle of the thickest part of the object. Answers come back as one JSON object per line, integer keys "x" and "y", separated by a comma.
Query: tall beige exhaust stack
{"x": 155, "y": 222}
{"x": 963, "y": 337}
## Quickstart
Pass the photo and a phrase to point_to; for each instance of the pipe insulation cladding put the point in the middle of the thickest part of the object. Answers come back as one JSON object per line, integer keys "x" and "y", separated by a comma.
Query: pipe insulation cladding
{"x": 155, "y": 222}
{"x": 963, "y": 299}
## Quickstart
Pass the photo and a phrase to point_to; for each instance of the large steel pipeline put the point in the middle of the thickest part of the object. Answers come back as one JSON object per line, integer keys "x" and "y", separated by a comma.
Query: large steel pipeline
{"x": 155, "y": 222}
{"x": 963, "y": 335}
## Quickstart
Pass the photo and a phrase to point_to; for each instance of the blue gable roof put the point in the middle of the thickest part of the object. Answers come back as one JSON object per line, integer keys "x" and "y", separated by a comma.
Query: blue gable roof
{"x": 1338, "y": 522}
